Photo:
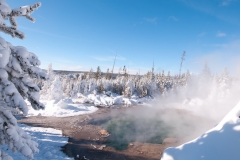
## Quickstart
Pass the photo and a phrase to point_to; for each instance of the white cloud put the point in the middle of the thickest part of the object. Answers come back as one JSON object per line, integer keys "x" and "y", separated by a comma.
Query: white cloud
{"x": 133, "y": 71}
{"x": 109, "y": 58}
{"x": 173, "y": 18}
{"x": 46, "y": 33}
{"x": 50, "y": 34}
{"x": 201, "y": 34}
{"x": 40, "y": 16}
{"x": 225, "y": 3}
{"x": 151, "y": 20}
{"x": 221, "y": 34}
{"x": 233, "y": 46}
{"x": 71, "y": 68}
{"x": 224, "y": 55}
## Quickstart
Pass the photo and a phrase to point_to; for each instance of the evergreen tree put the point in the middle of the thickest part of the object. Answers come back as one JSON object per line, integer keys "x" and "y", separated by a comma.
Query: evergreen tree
{"x": 107, "y": 76}
{"x": 119, "y": 72}
{"x": 50, "y": 72}
{"x": 188, "y": 74}
{"x": 45, "y": 91}
{"x": 169, "y": 75}
{"x": 90, "y": 74}
{"x": 153, "y": 74}
{"x": 224, "y": 83}
{"x": 56, "y": 91}
{"x": 225, "y": 74}
{"x": 206, "y": 71}
{"x": 101, "y": 87}
{"x": 205, "y": 82}
{"x": 125, "y": 74}
{"x": 168, "y": 84}
{"x": 18, "y": 67}
{"x": 128, "y": 89}
{"x": 98, "y": 73}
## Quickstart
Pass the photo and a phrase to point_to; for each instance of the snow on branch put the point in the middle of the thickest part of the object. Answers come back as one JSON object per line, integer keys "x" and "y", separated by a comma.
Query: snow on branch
{"x": 15, "y": 137}
{"x": 6, "y": 13}
{"x": 18, "y": 68}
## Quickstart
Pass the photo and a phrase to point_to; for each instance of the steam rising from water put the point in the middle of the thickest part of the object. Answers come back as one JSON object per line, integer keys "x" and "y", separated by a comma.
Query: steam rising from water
{"x": 184, "y": 113}
{"x": 206, "y": 96}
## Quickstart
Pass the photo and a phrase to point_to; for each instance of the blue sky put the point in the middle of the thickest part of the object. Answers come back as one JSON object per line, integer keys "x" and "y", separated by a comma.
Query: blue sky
{"x": 80, "y": 34}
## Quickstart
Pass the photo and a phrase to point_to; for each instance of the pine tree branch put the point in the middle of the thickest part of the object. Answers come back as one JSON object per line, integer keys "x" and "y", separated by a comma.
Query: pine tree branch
{"x": 12, "y": 31}
{"x": 24, "y": 11}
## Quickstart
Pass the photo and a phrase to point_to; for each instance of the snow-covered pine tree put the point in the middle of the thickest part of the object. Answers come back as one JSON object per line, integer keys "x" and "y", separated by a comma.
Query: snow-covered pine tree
{"x": 56, "y": 91}
{"x": 83, "y": 76}
{"x": 188, "y": 73}
{"x": 107, "y": 75}
{"x": 68, "y": 84}
{"x": 169, "y": 75}
{"x": 206, "y": 73}
{"x": 92, "y": 85}
{"x": 129, "y": 88}
{"x": 90, "y": 74}
{"x": 46, "y": 88}
{"x": 50, "y": 72}
{"x": 125, "y": 74}
{"x": 205, "y": 82}
{"x": 224, "y": 84}
{"x": 163, "y": 75}
{"x": 18, "y": 67}
{"x": 83, "y": 86}
{"x": 100, "y": 88}
{"x": 119, "y": 72}
{"x": 153, "y": 74}
{"x": 98, "y": 73}
{"x": 168, "y": 82}
{"x": 214, "y": 92}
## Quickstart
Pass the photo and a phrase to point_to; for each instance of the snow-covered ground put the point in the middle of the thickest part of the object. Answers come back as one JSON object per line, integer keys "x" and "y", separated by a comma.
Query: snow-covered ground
{"x": 49, "y": 142}
{"x": 216, "y": 140}
{"x": 220, "y": 143}
{"x": 110, "y": 99}
{"x": 62, "y": 108}
{"x": 84, "y": 104}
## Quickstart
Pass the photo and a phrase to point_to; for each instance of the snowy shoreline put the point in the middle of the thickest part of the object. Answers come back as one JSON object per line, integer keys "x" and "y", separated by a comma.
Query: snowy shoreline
{"x": 49, "y": 142}
{"x": 84, "y": 105}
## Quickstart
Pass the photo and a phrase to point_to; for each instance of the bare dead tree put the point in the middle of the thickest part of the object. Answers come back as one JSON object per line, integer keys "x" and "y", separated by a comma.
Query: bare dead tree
{"x": 114, "y": 63}
{"x": 182, "y": 59}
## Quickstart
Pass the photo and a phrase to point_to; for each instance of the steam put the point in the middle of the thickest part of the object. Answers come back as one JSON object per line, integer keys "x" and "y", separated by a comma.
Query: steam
{"x": 185, "y": 113}
{"x": 204, "y": 101}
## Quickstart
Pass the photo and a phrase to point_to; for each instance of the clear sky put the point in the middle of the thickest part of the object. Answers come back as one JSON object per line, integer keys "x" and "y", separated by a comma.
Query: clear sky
{"x": 80, "y": 34}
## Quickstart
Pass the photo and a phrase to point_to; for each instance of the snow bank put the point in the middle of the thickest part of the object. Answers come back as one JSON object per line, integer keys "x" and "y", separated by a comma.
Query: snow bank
{"x": 106, "y": 100}
{"x": 49, "y": 143}
{"x": 62, "y": 108}
{"x": 220, "y": 143}
{"x": 84, "y": 104}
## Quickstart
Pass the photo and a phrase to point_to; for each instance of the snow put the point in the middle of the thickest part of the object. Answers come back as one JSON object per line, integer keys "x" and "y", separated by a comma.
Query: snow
{"x": 110, "y": 99}
{"x": 62, "y": 108}
{"x": 3, "y": 74}
{"x": 49, "y": 142}
{"x": 221, "y": 142}
{"x": 84, "y": 104}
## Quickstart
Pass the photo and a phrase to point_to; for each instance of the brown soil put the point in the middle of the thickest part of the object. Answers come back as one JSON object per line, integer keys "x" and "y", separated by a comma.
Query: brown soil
{"x": 86, "y": 139}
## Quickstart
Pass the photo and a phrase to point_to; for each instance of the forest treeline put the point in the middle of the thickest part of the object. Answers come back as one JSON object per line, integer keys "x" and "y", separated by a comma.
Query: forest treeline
{"x": 150, "y": 84}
